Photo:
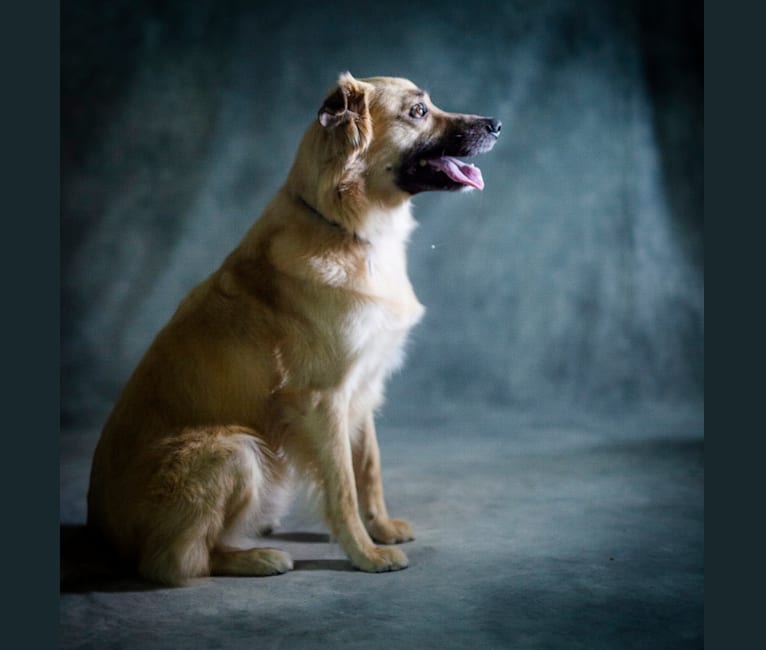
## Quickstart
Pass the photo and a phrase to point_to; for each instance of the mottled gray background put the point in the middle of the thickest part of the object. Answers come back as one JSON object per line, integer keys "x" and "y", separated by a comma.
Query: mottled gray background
{"x": 546, "y": 434}
{"x": 574, "y": 280}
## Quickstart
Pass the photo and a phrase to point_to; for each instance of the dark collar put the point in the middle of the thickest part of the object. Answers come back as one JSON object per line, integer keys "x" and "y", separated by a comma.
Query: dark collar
{"x": 318, "y": 214}
{"x": 329, "y": 222}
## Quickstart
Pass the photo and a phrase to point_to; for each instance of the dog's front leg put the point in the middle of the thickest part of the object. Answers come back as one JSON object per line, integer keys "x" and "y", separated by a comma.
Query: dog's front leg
{"x": 340, "y": 496}
{"x": 369, "y": 485}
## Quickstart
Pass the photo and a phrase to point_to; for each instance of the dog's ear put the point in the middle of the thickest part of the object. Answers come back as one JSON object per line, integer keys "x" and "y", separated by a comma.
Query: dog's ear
{"x": 334, "y": 109}
{"x": 346, "y": 103}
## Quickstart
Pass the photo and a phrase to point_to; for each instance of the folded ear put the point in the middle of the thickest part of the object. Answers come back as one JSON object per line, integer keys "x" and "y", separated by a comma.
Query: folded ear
{"x": 347, "y": 102}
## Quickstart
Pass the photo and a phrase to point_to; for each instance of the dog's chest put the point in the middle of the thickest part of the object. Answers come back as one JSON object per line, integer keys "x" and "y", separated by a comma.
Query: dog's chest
{"x": 379, "y": 326}
{"x": 376, "y": 334}
{"x": 376, "y": 328}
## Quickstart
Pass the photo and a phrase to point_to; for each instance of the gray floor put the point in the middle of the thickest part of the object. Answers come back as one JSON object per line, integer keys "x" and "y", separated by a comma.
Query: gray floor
{"x": 556, "y": 531}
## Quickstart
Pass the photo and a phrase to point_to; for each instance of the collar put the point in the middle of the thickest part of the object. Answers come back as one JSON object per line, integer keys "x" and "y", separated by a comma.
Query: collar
{"x": 329, "y": 222}
{"x": 318, "y": 214}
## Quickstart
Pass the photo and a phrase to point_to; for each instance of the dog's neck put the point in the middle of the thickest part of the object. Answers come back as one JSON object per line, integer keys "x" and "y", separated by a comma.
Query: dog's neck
{"x": 383, "y": 227}
{"x": 329, "y": 222}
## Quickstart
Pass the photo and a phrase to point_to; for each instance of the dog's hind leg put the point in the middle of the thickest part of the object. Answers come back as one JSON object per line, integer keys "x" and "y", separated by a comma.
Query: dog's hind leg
{"x": 206, "y": 484}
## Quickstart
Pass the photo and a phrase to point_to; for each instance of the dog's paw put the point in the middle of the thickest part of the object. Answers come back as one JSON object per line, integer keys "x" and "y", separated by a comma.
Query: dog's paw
{"x": 251, "y": 562}
{"x": 274, "y": 562}
{"x": 382, "y": 559}
{"x": 390, "y": 531}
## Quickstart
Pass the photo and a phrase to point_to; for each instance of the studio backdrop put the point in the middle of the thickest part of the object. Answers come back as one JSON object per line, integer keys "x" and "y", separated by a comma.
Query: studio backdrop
{"x": 573, "y": 281}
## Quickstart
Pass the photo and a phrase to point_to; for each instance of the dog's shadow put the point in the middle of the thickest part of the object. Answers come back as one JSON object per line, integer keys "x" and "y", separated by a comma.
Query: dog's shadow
{"x": 88, "y": 564}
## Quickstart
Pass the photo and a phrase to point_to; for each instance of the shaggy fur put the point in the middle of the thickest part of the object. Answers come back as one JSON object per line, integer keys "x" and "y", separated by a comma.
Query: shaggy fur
{"x": 274, "y": 365}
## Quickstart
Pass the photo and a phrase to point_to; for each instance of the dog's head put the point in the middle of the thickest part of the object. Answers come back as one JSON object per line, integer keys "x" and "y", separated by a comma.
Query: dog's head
{"x": 417, "y": 146}
{"x": 381, "y": 140}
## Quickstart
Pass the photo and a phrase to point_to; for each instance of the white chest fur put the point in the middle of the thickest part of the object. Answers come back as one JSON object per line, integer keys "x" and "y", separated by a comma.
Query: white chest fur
{"x": 376, "y": 330}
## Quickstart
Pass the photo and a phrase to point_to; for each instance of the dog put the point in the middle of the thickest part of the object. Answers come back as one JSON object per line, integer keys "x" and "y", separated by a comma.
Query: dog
{"x": 273, "y": 367}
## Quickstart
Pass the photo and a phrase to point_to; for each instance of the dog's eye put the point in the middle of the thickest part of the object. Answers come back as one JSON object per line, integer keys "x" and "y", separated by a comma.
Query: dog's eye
{"x": 418, "y": 110}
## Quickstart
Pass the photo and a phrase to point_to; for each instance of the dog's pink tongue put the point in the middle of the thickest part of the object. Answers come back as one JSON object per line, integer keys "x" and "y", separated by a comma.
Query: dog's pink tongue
{"x": 458, "y": 171}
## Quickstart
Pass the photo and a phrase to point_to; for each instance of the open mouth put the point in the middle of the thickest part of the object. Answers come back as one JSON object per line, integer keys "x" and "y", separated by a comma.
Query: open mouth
{"x": 426, "y": 173}
{"x": 434, "y": 163}
{"x": 456, "y": 170}
{"x": 439, "y": 166}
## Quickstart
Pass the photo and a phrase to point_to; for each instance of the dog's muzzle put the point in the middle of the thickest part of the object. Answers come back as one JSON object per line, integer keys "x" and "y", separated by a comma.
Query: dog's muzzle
{"x": 435, "y": 165}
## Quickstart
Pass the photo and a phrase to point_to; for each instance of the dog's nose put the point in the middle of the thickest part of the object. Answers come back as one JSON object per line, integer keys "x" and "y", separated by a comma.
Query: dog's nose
{"x": 494, "y": 126}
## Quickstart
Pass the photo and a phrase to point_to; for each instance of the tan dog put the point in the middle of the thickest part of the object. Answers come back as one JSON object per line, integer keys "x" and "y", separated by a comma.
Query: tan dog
{"x": 275, "y": 364}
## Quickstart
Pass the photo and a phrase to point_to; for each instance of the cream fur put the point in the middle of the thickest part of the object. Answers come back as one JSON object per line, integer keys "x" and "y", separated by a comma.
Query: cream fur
{"x": 274, "y": 365}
